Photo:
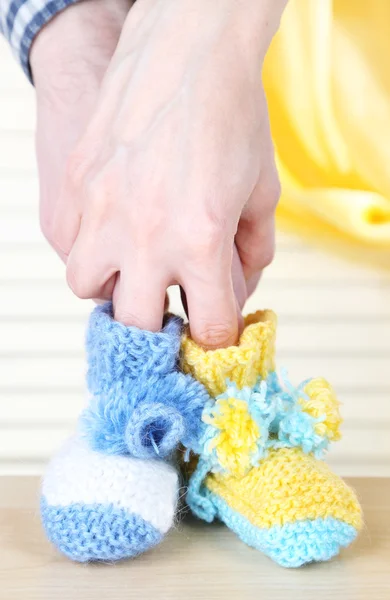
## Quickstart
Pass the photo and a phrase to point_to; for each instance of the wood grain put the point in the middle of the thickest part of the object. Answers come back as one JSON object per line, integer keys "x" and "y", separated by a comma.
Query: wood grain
{"x": 196, "y": 562}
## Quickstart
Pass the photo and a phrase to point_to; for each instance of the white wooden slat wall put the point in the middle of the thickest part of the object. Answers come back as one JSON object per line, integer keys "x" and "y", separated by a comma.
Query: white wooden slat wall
{"x": 334, "y": 320}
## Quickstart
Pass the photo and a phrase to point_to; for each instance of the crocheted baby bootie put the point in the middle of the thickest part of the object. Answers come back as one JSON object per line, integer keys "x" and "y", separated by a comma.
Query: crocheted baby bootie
{"x": 98, "y": 506}
{"x": 111, "y": 492}
{"x": 260, "y": 469}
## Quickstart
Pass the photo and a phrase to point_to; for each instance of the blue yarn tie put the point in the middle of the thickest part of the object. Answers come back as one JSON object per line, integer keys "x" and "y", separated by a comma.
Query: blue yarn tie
{"x": 153, "y": 430}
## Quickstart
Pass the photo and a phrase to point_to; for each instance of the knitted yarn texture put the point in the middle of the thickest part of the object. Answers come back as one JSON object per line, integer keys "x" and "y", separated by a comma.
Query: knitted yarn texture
{"x": 97, "y": 506}
{"x": 108, "y": 494}
{"x": 141, "y": 404}
{"x": 258, "y": 444}
{"x": 260, "y": 469}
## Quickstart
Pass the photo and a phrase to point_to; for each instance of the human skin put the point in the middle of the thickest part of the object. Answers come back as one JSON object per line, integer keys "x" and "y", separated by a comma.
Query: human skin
{"x": 155, "y": 157}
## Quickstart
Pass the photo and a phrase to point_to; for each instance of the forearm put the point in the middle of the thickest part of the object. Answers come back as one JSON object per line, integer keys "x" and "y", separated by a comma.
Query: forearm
{"x": 69, "y": 59}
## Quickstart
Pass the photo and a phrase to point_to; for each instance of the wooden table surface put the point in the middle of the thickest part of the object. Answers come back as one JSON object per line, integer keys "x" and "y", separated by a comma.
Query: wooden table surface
{"x": 196, "y": 561}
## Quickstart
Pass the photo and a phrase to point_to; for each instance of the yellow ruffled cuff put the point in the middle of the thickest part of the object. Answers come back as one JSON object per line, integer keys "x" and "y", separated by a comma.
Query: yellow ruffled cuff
{"x": 241, "y": 364}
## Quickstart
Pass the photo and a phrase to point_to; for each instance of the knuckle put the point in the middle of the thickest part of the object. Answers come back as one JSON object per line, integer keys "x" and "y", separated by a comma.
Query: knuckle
{"x": 151, "y": 225}
{"x": 107, "y": 179}
{"x": 205, "y": 241}
{"x": 76, "y": 281}
{"x": 127, "y": 317}
{"x": 103, "y": 191}
{"x": 271, "y": 192}
{"x": 216, "y": 335}
{"x": 257, "y": 250}
{"x": 267, "y": 255}
{"x": 47, "y": 228}
{"x": 53, "y": 232}
{"x": 275, "y": 191}
{"x": 267, "y": 196}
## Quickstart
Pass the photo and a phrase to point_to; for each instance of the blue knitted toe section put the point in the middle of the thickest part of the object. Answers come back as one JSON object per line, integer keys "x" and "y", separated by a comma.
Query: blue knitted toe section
{"x": 97, "y": 532}
{"x": 292, "y": 544}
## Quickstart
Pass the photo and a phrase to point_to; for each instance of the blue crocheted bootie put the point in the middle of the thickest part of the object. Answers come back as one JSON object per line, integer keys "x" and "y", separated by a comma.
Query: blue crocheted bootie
{"x": 98, "y": 506}
{"x": 109, "y": 493}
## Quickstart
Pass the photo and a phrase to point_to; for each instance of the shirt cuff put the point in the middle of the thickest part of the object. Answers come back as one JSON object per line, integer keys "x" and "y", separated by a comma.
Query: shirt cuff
{"x": 24, "y": 20}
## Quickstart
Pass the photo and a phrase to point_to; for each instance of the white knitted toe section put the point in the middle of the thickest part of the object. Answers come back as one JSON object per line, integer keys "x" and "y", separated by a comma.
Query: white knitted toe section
{"x": 148, "y": 488}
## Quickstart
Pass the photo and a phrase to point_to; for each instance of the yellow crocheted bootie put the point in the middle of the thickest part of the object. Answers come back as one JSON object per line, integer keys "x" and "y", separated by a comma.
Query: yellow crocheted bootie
{"x": 260, "y": 469}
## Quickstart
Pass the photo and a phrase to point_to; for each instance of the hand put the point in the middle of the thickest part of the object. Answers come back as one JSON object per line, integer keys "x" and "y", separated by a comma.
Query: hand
{"x": 69, "y": 58}
{"x": 175, "y": 166}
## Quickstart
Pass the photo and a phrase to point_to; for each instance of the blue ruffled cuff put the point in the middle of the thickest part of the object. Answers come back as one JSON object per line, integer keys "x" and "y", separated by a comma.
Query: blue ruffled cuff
{"x": 141, "y": 404}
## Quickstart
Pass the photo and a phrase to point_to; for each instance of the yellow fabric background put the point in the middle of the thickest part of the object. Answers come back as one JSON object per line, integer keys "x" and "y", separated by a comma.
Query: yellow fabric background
{"x": 327, "y": 81}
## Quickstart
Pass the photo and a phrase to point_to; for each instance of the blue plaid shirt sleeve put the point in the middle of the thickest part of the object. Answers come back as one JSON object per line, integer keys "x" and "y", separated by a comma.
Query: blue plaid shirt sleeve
{"x": 21, "y": 20}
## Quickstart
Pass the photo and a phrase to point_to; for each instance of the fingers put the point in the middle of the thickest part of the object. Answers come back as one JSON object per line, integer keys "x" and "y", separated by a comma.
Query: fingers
{"x": 255, "y": 241}
{"x": 89, "y": 270}
{"x": 239, "y": 283}
{"x": 67, "y": 219}
{"x": 138, "y": 301}
{"x": 166, "y": 302}
{"x": 239, "y": 287}
{"x": 184, "y": 300}
{"x": 212, "y": 307}
{"x": 62, "y": 228}
{"x": 252, "y": 283}
{"x": 139, "y": 298}
{"x": 255, "y": 237}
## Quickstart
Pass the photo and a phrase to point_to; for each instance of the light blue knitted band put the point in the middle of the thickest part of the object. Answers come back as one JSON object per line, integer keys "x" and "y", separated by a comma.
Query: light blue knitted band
{"x": 97, "y": 532}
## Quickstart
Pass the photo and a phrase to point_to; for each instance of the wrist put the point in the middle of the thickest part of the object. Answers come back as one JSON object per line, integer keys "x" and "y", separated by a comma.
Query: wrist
{"x": 77, "y": 44}
{"x": 247, "y": 24}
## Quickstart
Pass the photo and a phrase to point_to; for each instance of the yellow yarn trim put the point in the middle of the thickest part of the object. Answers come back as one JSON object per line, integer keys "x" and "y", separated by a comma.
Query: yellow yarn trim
{"x": 288, "y": 486}
{"x": 323, "y": 402}
{"x": 236, "y": 442}
{"x": 241, "y": 364}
